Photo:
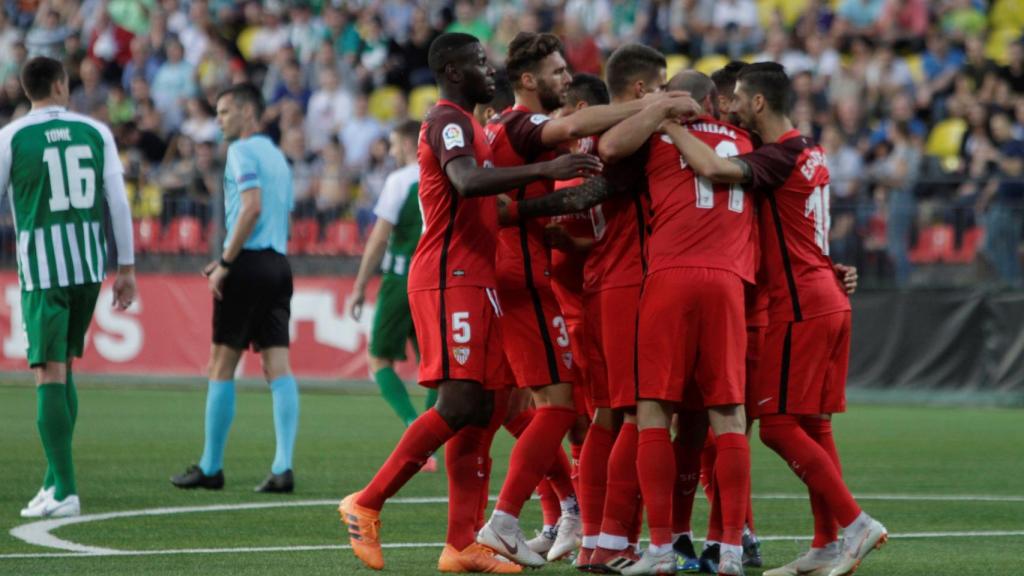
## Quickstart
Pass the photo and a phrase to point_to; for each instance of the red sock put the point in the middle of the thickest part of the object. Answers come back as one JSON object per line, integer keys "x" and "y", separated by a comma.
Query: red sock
{"x": 638, "y": 520}
{"x": 549, "y": 506}
{"x": 715, "y": 514}
{"x": 826, "y": 529}
{"x": 421, "y": 439}
{"x": 593, "y": 477}
{"x": 620, "y": 500}
{"x": 732, "y": 470}
{"x": 707, "y": 464}
{"x": 750, "y": 508}
{"x": 533, "y": 455}
{"x": 517, "y": 425}
{"x": 656, "y": 469}
{"x": 688, "y": 463}
{"x": 497, "y": 417}
{"x": 811, "y": 463}
{"x": 466, "y": 481}
{"x": 574, "y": 466}
{"x": 560, "y": 476}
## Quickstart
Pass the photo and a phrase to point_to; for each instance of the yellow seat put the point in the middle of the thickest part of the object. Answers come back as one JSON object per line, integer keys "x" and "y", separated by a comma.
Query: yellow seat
{"x": 789, "y": 11}
{"x": 246, "y": 40}
{"x": 999, "y": 41}
{"x": 383, "y": 102}
{"x": 709, "y": 64}
{"x": 945, "y": 138}
{"x": 676, "y": 64}
{"x": 1007, "y": 14}
{"x": 421, "y": 99}
{"x": 916, "y": 66}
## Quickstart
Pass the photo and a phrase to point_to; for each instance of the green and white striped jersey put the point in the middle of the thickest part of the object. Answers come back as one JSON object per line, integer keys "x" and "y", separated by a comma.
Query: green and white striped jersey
{"x": 56, "y": 166}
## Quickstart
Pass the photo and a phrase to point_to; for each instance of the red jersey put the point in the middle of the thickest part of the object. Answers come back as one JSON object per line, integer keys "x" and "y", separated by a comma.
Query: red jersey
{"x": 795, "y": 221}
{"x": 620, "y": 228}
{"x": 458, "y": 242}
{"x": 755, "y": 295}
{"x": 515, "y": 139}
{"x": 695, "y": 223}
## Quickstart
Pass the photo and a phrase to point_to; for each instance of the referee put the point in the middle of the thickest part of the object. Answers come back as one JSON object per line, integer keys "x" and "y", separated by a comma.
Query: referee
{"x": 252, "y": 290}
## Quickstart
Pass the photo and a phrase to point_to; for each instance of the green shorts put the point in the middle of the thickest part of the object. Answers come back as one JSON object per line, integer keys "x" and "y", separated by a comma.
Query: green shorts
{"x": 56, "y": 320}
{"x": 392, "y": 321}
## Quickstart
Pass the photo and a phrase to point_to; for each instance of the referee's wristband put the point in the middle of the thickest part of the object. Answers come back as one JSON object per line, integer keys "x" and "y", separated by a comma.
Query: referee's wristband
{"x": 224, "y": 263}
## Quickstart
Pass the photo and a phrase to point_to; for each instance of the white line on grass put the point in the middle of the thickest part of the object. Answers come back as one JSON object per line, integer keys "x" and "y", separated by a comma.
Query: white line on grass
{"x": 39, "y": 533}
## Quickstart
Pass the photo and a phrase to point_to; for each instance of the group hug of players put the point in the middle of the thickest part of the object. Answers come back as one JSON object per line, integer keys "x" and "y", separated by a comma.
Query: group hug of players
{"x": 621, "y": 263}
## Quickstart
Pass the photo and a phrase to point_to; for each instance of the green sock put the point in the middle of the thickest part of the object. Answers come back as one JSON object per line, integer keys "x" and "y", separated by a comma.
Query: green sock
{"x": 72, "y": 397}
{"x": 431, "y": 399}
{"x": 394, "y": 392}
{"x": 54, "y": 422}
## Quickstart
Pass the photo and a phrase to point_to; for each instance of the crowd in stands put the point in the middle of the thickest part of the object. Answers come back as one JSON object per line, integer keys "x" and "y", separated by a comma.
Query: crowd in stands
{"x": 918, "y": 103}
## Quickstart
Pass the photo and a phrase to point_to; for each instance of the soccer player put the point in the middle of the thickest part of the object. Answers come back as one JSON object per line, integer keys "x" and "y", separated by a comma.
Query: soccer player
{"x": 796, "y": 393}
{"x": 455, "y": 309}
{"x": 537, "y": 342}
{"x": 390, "y": 247}
{"x": 54, "y": 162}
{"x": 252, "y": 291}
{"x": 612, "y": 277}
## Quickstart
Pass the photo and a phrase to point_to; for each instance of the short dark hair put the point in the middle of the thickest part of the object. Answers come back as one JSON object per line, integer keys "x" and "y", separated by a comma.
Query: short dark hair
{"x": 725, "y": 78}
{"x": 631, "y": 62}
{"x": 694, "y": 82}
{"x": 409, "y": 129}
{"x": 587, "y": 88}
{"x": 38, "y": 76}
{"x": 768, "y": 79}
{"x": 243, "y": 94}
{"x": 527, "y": 50}
{"x": 444, "y": 48}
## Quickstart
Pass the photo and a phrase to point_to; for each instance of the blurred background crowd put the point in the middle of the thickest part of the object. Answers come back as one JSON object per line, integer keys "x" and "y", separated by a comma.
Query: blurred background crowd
{"x": 919, "y": 104}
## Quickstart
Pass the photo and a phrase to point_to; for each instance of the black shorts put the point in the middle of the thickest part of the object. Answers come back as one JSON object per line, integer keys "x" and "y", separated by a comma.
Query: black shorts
{"x": 256, "y": 303}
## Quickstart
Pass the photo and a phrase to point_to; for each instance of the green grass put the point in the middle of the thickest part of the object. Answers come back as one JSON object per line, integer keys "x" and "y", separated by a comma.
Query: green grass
{"x": 129, "y": 440}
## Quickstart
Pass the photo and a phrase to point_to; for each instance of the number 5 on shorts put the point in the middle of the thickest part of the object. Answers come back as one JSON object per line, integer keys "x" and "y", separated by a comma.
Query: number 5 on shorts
{"x": 461, "y": 330}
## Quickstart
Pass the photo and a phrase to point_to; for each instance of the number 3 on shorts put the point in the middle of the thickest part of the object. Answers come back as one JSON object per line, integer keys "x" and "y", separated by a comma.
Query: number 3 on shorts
{"x": 461, "y": 331}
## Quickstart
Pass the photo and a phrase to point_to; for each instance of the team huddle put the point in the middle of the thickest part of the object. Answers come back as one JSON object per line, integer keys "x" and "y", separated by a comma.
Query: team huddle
{"x": 640, "y": 264}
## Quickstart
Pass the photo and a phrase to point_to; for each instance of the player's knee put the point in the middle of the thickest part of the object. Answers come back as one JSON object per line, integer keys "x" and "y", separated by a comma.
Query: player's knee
{"x": 775, "y": 429}
{"x": 462, "y": 404}
{"x": 376, "y": 363}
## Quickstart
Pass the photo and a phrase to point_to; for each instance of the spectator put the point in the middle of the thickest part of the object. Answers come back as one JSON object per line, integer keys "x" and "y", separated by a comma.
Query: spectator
{"x": 1013, "y": 72}
{"x": 409, "y": 67}
{"x": 13, "y": 103}
{"x": 195, "y": 35}
{"x": 304, "y": 33}
{"x": 120, "y": 108}
{"x": 359, "y": 133}
{"x": 292, "y": 86}
{"x": 901, "y": 109}
{"x": 981, "y": 71}
{"x": 468, "y": 20}
{"x": 776, "y": 49}
{"x": 46, "y": 38}
{"x": 373, "y": 53}
{"x": 940, "y": 62}
{"x": 10, "y": 36}
{"x": 13, "y": 60}
{"x": 581, "y": 51}
{"x": 200, "y": 124}
{"x": 270, "y": 36}
{"x": 333, "y": 180}
{"x": 824, "y": 61}
{"x": 174, "y": 83}
{"x": 894, "y": 174}
{"x": 887, "y": 76}
{"x": 109, "y": 44}
{"x": 735, "y": 28}
{"x": 304, "y": 171}
{"x": 963, "y": 20}
{"x": 143, "y": 63}
{"x": 92, "y": 94}
{"x": 904, "y": 22}
{"x": 1003, "y": 208}
{"x": 858, "y": 17}
{"x": 329, "y": 106}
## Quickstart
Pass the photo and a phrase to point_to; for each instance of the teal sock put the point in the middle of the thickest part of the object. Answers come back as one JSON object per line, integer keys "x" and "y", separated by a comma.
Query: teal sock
{"x": 54, "y": 423}
{"x": 286, "y": 421}
{"x": 220, "y": 411}
{"x": 431, "y": 399}
{"x": 394, "y": 392}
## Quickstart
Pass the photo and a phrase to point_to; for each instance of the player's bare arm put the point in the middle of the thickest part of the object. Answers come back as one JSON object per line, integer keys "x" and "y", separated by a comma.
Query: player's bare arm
{"x": 589, "y": 121}
{"x": 628, "y": 136}
{"x": 252, "y": 205}
{"x": 471, "y": 180}
{"x": 590, "y": 193}
{"x": 376, "y": 245}
{"x": 704, "y": 161}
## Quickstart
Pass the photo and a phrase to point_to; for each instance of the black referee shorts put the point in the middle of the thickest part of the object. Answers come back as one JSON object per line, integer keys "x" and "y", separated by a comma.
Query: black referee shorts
{"x": 256, "y": 303}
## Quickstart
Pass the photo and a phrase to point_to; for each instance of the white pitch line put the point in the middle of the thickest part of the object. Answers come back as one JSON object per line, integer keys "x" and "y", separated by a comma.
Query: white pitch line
{"x": 421, "y": 545}
{"x": 39, "y": 533}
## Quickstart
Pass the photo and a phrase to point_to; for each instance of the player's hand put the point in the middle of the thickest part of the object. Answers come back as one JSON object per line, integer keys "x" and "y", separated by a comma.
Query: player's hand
{"x": 681, "y": 107}
{"x": 570, "y": 166}
{"x": 216, "y": 280}
{"x": 847, "y": 276}
{"x": 355, "y": 305}
{"x": 209, "y": 268}
{"x": 555, "y": 236}
{"x": 124, "y": 288}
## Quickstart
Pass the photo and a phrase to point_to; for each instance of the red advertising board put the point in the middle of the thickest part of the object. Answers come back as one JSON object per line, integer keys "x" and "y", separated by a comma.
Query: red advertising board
{"x": 167, "y": 331}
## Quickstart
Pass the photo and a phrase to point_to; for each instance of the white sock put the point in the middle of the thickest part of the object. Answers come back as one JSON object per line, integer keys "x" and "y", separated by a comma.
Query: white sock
{"x": 504, "y": 517}
{"x": 570, "y": 505}
{"x": 737, "y": 550}
{"x": 590, "y": 542}
{"x": 860, "y": 522}
{"x": 547, "y": 529}
{"x": 660, "y": 550}
{"x": 609, "y": 542}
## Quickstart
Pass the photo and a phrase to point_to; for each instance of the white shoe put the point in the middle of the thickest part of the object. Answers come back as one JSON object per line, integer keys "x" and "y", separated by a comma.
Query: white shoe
{"x": 858, "y": 543}
{"x": 543, "y": 541}
{"x": 503, "y": 535}
{"x": 814, "y": 562}
{"x": 651, "y": 563}
{"x": 730, "y": 563}
{"x": 69, "y": 506}
{"x": 569, "y": 536}
{"x": 34, "y": 508}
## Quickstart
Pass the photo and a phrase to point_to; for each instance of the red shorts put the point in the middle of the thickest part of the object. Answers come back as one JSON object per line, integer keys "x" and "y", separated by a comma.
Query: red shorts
{"x": 537, "y": 342}
{"x": 618, "y": 342}
{"x": 571, "y": 304}
{"x": 692, "y": 335}
{"x": 596, "y": 375}
{"x": 459, "y": 336}
{"x": 755, "y": 347}
{"x": 803, "y": 367}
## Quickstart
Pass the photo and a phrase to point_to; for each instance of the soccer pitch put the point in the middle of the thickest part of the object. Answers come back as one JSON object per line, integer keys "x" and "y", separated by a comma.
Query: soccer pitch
{"x": 947, "y": 482}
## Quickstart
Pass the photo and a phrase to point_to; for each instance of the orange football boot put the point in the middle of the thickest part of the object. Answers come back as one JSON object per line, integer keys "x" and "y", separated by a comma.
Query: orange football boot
{"x": 475, "y": 558}
{"x": 363, "y": 531}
